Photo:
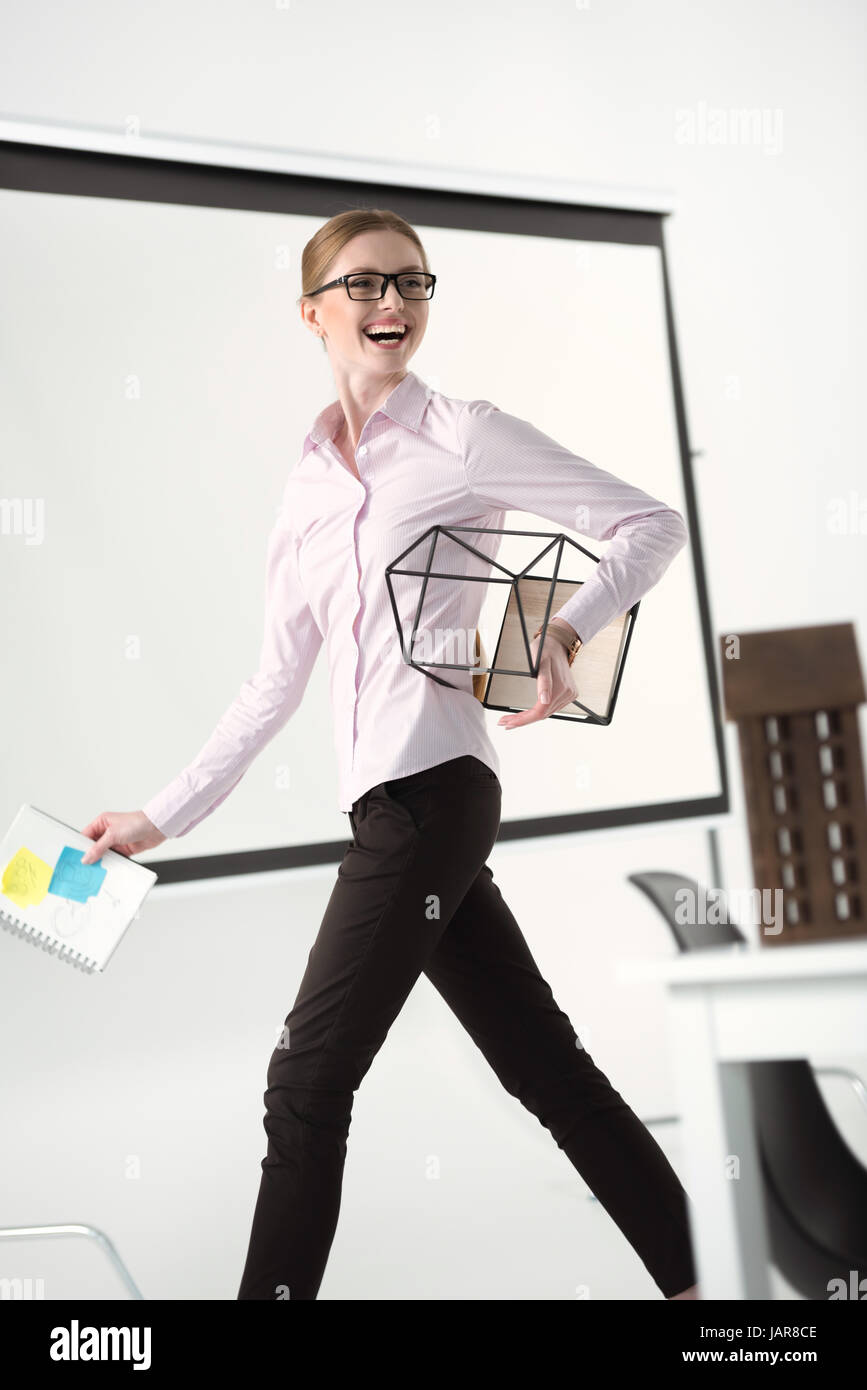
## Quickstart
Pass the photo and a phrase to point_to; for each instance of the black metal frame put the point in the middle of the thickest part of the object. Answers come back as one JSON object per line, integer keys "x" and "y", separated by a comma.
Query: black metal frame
{"x": 558, "y": 540}
{"x": 370, "y": 299}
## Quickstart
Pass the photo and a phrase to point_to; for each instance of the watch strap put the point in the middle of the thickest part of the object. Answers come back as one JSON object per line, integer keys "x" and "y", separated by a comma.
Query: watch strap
{"x": 571, "y": 644}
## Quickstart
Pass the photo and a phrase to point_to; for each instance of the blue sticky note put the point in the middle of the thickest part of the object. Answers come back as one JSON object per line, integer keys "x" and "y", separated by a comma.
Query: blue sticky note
{"x": 72, "y": 879}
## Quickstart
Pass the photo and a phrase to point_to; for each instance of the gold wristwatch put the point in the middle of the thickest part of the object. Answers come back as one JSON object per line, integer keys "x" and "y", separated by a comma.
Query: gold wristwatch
{"x": 572, "y": 645}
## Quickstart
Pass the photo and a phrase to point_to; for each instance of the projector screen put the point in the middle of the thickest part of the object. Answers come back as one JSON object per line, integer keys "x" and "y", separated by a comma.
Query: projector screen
{"x": 157, "y": 387}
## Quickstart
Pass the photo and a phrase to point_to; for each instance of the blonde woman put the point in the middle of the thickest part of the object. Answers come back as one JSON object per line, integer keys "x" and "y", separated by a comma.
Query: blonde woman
{"x": 418, "y": 774}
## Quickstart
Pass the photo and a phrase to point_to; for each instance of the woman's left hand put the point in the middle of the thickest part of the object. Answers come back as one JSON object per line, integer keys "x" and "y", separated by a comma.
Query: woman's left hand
{"x": 555, "y": 686}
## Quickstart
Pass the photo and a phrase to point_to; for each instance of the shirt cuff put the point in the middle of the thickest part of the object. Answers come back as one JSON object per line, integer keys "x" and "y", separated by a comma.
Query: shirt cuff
{"x": 586, "y": 614}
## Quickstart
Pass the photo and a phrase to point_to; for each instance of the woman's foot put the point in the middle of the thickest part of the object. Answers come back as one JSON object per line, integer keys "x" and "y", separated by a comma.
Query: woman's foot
{"x": 691, "y": 1292}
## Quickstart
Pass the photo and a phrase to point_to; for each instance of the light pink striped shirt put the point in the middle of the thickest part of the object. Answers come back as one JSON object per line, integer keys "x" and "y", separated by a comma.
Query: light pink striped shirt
{"x": 425, "y": 459}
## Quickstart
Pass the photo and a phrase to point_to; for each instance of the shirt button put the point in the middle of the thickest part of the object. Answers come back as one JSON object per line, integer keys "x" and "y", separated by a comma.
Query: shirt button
{"x": 362, "y": 451}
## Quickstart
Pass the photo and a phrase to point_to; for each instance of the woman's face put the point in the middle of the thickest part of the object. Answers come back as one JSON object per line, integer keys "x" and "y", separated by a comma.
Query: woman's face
{"x": 342, "y": 321}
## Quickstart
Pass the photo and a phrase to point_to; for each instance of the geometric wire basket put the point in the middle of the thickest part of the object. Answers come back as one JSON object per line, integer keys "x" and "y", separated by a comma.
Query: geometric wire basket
{"x": 510, "y": 681}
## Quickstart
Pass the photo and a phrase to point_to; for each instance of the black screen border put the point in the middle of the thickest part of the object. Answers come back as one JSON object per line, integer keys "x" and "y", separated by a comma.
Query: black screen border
{"x": 47, "y": 168}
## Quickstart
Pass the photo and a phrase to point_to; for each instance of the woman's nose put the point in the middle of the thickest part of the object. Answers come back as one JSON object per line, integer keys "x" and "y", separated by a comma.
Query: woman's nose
{"x": 391, "y": 298}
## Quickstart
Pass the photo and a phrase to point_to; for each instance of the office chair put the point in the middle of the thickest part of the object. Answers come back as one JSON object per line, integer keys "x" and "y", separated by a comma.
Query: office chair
{"x": 815, "y": 1188}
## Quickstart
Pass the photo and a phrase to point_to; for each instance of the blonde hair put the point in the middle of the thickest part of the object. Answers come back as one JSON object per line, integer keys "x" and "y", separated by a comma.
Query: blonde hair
{"x": 328, "y": 241}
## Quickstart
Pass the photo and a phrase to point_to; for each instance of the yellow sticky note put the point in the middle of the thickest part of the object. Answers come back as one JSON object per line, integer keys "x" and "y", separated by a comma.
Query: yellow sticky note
{"x": 26, "y": 878}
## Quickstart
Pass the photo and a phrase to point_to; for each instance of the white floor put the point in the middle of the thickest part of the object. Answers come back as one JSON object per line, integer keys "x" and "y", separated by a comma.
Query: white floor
{"x": 133, "y": 1102}
{"x": 522, "y": 1228}
{"x": 474, "y": 1202}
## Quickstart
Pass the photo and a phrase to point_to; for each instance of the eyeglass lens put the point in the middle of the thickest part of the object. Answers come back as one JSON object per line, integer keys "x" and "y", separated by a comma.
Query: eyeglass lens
{"x": 412, "y": 285}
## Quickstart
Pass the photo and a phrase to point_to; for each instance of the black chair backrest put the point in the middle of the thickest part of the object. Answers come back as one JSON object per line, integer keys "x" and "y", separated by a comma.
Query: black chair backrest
{"x": 680, "y": 900}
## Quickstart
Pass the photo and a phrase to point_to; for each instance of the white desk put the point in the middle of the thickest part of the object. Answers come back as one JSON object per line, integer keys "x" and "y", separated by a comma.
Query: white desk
{"x": 726, "y": 1007}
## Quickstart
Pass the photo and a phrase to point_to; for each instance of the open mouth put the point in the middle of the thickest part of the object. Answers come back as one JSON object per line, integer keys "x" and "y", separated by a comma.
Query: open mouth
{"x": 388, "y": 338}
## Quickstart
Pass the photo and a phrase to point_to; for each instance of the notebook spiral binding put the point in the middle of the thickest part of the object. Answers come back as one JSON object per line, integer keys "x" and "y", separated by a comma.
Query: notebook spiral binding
{"x": 60, "y": 949}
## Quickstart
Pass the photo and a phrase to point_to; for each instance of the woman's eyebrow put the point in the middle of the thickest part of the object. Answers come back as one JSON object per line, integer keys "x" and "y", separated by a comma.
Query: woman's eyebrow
{"x": 373, "y": 271}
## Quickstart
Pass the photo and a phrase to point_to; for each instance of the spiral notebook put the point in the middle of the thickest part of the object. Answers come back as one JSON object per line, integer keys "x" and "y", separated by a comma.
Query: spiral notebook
{"x": 77, "y": 912}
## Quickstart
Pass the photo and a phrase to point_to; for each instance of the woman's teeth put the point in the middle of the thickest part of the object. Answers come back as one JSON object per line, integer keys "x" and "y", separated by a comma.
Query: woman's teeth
{"x": 386, "y": 338}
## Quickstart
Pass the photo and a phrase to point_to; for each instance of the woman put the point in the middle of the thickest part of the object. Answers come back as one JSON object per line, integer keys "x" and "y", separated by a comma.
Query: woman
{"x": 418, "y": 774}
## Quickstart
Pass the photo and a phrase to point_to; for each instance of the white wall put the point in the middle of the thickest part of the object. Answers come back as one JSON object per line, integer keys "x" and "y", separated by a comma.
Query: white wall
{"x": 767, "y": 268}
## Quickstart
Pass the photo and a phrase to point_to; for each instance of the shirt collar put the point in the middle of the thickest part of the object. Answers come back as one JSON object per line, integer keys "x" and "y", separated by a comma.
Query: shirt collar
{"x": 405, "y": 404}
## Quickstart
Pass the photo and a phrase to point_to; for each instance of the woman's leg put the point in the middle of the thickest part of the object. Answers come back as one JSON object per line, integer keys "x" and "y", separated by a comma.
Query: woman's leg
{"x": 486, "y": 973}
{"x": 379, "y": 929}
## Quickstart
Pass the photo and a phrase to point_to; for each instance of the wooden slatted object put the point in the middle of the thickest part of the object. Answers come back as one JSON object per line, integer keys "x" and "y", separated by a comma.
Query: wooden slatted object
{"x": 794, "y": 695}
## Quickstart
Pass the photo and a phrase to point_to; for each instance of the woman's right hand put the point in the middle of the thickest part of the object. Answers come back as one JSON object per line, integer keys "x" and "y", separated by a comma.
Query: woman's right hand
{"x": 555, "y": 683}
{"x": 126, "y": 832}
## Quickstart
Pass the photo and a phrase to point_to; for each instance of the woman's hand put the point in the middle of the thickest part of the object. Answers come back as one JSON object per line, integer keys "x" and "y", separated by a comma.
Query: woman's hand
{"x": 555, "y": 687}
{"x": 126, "y": 832}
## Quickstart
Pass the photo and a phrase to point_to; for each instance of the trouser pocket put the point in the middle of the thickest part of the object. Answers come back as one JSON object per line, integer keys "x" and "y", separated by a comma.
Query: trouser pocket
{"x": 411, "y": 794}
{"x": 477, "y": 771}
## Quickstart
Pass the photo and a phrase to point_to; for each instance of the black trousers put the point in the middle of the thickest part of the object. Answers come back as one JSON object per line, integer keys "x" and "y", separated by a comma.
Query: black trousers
{"x": 414, "y": 896}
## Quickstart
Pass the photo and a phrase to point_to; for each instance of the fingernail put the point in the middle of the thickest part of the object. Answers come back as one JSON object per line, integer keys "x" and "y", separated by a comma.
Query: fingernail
{"x": 544, "y": 697}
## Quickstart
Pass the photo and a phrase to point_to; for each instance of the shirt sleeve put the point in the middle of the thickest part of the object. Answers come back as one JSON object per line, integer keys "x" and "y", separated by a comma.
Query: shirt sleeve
{"x": 509, "y": 463}
{"x": 265, "y": 703}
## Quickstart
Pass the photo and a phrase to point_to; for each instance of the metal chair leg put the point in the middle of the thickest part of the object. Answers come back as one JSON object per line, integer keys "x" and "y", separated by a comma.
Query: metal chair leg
{"x": 90, "y": 1232}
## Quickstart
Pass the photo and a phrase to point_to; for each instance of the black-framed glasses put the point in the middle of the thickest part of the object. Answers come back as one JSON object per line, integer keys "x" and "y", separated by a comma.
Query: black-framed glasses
{"x": 411, "y": 284}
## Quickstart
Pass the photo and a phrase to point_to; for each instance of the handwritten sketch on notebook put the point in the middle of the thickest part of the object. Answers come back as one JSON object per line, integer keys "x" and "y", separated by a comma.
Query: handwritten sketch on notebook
{"x": 78, "y": 912}
{"x": 594, "y": 669}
